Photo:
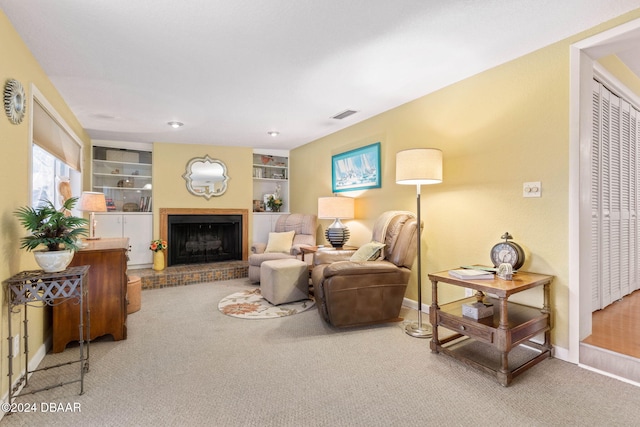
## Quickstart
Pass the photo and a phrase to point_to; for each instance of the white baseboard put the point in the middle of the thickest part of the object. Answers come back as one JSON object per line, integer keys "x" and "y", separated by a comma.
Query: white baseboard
{"x": 414, "y": 305}
{"x": 35, "y": 361}
{"x": 561, "y": 353}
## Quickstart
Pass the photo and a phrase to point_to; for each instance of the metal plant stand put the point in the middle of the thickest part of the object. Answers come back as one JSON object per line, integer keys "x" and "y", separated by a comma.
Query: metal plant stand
{"x": 36, "y": 286}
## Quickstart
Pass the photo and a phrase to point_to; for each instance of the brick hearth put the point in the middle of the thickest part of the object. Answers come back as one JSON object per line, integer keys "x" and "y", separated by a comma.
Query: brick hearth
{"x": 181, "y": 275}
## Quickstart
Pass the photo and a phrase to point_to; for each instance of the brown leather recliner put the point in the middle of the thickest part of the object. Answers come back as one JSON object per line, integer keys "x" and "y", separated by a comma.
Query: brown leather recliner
{"x": 354, "y": 293}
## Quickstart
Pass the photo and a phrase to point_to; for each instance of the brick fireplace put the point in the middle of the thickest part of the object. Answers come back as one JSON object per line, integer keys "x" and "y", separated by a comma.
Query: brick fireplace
{"x": 186, "y": 274}
{"x": 200, "y": 247}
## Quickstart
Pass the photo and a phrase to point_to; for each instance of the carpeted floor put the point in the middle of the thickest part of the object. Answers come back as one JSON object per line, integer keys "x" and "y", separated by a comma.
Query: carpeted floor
{"x": 186, "y": 363}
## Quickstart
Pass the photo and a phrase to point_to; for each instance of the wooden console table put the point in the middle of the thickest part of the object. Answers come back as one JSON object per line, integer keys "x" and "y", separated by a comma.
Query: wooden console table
{"x": 107, "y": 293}
{"x": 511, "y": 324}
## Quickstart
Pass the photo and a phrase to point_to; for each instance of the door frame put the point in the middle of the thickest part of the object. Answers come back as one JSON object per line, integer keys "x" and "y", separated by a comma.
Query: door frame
{"x": 583, "y": 55}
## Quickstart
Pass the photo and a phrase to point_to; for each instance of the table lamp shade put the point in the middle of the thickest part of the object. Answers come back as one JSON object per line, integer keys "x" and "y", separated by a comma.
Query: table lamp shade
{"x": 419, "y": 166}
{"x": 91, "y": 201}
{"x": 335, "y": 207}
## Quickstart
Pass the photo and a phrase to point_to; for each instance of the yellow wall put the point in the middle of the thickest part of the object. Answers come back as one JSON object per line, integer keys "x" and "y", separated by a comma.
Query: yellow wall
{"x": 169, "y": 188}
{"x": 18, "y": 63}
{"x": 497, "y": 130}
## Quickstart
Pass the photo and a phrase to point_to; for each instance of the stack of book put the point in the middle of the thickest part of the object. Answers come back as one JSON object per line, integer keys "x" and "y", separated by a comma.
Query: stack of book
{"x": 470, "y": 274}
{"x": 110, "y": 205}
{"x": 145, "y": 204}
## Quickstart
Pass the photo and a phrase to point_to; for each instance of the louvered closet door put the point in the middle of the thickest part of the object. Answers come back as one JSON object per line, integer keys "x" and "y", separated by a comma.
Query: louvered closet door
{"x": 614, "y": 198}
{"x": 596, "y": 226}
{"x": 627, "y": 201}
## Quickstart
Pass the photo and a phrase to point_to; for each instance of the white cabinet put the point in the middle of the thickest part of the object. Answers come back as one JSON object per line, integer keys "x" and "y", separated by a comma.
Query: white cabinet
{"x": 138, "y": 227}
{"x": 124, "y": 176}
{"x": 263, "y": 223}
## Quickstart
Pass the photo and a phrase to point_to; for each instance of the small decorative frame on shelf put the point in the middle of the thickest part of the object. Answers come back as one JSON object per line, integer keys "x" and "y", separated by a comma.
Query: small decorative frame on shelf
{"x": 357, "y": 169}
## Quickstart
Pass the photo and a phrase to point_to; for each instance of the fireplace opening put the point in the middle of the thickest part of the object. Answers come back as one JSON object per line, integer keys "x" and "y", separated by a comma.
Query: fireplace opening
{"x": 197, "y": 239}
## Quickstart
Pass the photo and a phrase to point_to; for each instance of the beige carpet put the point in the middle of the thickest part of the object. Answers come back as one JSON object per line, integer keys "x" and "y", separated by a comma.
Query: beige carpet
{"x": 186, "y": 363}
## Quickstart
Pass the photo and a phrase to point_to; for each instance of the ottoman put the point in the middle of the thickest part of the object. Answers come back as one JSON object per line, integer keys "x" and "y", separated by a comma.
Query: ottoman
{"x": 284, "y": 280}
{"x": 134, "y": 294}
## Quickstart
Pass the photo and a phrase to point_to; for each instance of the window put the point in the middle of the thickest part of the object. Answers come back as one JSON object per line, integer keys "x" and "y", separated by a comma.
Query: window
{"x": 48, "y": 174}
{"x": 55, "y": 156}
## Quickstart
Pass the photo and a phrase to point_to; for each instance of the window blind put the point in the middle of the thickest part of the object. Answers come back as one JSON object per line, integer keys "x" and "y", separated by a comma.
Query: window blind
{"x": 50, "y": 136}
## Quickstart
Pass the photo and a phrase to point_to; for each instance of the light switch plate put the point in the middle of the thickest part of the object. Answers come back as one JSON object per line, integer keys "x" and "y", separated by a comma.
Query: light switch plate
{"x": 531, "y": 189}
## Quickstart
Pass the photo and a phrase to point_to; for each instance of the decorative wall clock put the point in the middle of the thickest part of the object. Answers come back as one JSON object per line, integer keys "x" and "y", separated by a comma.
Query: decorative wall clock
{"x": 15, "y": 103}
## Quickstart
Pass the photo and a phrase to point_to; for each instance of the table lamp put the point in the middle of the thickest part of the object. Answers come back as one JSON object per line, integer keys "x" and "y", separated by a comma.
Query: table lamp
{"x": 419, "y": 166}
{"x": 336, "y": 208}
{"x": 91, "y": 201}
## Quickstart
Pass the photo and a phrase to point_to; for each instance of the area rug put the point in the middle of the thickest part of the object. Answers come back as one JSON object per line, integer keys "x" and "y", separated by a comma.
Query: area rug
{"x": 251, "y": 305}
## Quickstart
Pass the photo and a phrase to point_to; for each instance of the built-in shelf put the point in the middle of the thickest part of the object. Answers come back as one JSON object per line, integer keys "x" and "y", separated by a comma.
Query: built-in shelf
{"x": 270, "y": 175}
{"x": 124, "y": 175}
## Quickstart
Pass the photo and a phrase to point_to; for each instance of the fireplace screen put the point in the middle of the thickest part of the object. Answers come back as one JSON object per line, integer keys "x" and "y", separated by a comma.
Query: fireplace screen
{"x": 197, "y": 239}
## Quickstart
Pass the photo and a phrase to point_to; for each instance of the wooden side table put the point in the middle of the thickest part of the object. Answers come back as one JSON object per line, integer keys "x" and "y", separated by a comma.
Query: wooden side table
{"x": 308, "y": 250}
{"x": 511, "y": 324}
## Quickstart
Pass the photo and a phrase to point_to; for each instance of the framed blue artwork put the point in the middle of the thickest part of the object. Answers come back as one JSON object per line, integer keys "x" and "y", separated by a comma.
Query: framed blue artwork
{"x": 357, "y": 169}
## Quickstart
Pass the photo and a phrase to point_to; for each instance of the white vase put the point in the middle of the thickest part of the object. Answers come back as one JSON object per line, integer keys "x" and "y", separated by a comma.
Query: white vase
{"x": 53, "y": 261}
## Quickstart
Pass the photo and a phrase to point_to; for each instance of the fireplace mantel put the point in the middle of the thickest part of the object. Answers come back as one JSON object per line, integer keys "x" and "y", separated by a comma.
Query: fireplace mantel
{"x": 164, "y": 223}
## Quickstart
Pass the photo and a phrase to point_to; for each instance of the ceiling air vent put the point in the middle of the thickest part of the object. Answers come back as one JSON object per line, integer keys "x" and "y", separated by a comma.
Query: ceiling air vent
{"x": 342, "y": 115}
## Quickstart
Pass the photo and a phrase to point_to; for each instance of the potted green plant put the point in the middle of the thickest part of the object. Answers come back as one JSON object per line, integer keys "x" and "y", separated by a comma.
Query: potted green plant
{"x": 55, "y": 229}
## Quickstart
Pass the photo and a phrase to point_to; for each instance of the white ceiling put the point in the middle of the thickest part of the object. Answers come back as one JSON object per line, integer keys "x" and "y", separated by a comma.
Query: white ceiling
{"x": 231, "y": 70}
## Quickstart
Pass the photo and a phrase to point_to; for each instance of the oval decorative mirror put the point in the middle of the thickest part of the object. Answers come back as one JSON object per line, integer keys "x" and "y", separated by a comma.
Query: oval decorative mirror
{"x": 206, "y": 177}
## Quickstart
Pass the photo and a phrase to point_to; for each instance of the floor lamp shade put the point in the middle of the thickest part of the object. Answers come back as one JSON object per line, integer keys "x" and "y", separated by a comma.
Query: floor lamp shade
{"x": 336, "y": 208}
{"x": 91, "y": 201}
{"x": 419, "y": 166}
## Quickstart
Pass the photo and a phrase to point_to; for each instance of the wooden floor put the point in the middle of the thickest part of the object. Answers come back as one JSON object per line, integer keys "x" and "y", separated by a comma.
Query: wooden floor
{"x": 617, "y": 327}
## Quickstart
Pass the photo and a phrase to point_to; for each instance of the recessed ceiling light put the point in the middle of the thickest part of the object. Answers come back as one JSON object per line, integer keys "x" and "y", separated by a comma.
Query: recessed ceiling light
{"x": 273, "y": 133}
{"x": 104, "y": 116}
{"x": 175, "y": 125}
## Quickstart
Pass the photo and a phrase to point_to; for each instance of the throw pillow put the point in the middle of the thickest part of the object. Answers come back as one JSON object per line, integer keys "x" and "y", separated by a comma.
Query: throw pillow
{"x": 280, "y": 242}
{"x": 368, "y": 252}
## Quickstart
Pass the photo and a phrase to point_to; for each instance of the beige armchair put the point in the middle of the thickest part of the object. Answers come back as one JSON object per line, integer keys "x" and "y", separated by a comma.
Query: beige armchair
{"x": 354, "y": 293}
{"x": 304, "y": 227}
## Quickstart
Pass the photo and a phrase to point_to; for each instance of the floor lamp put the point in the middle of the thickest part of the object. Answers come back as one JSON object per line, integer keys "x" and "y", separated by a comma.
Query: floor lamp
{"x": 419, "y": 166}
